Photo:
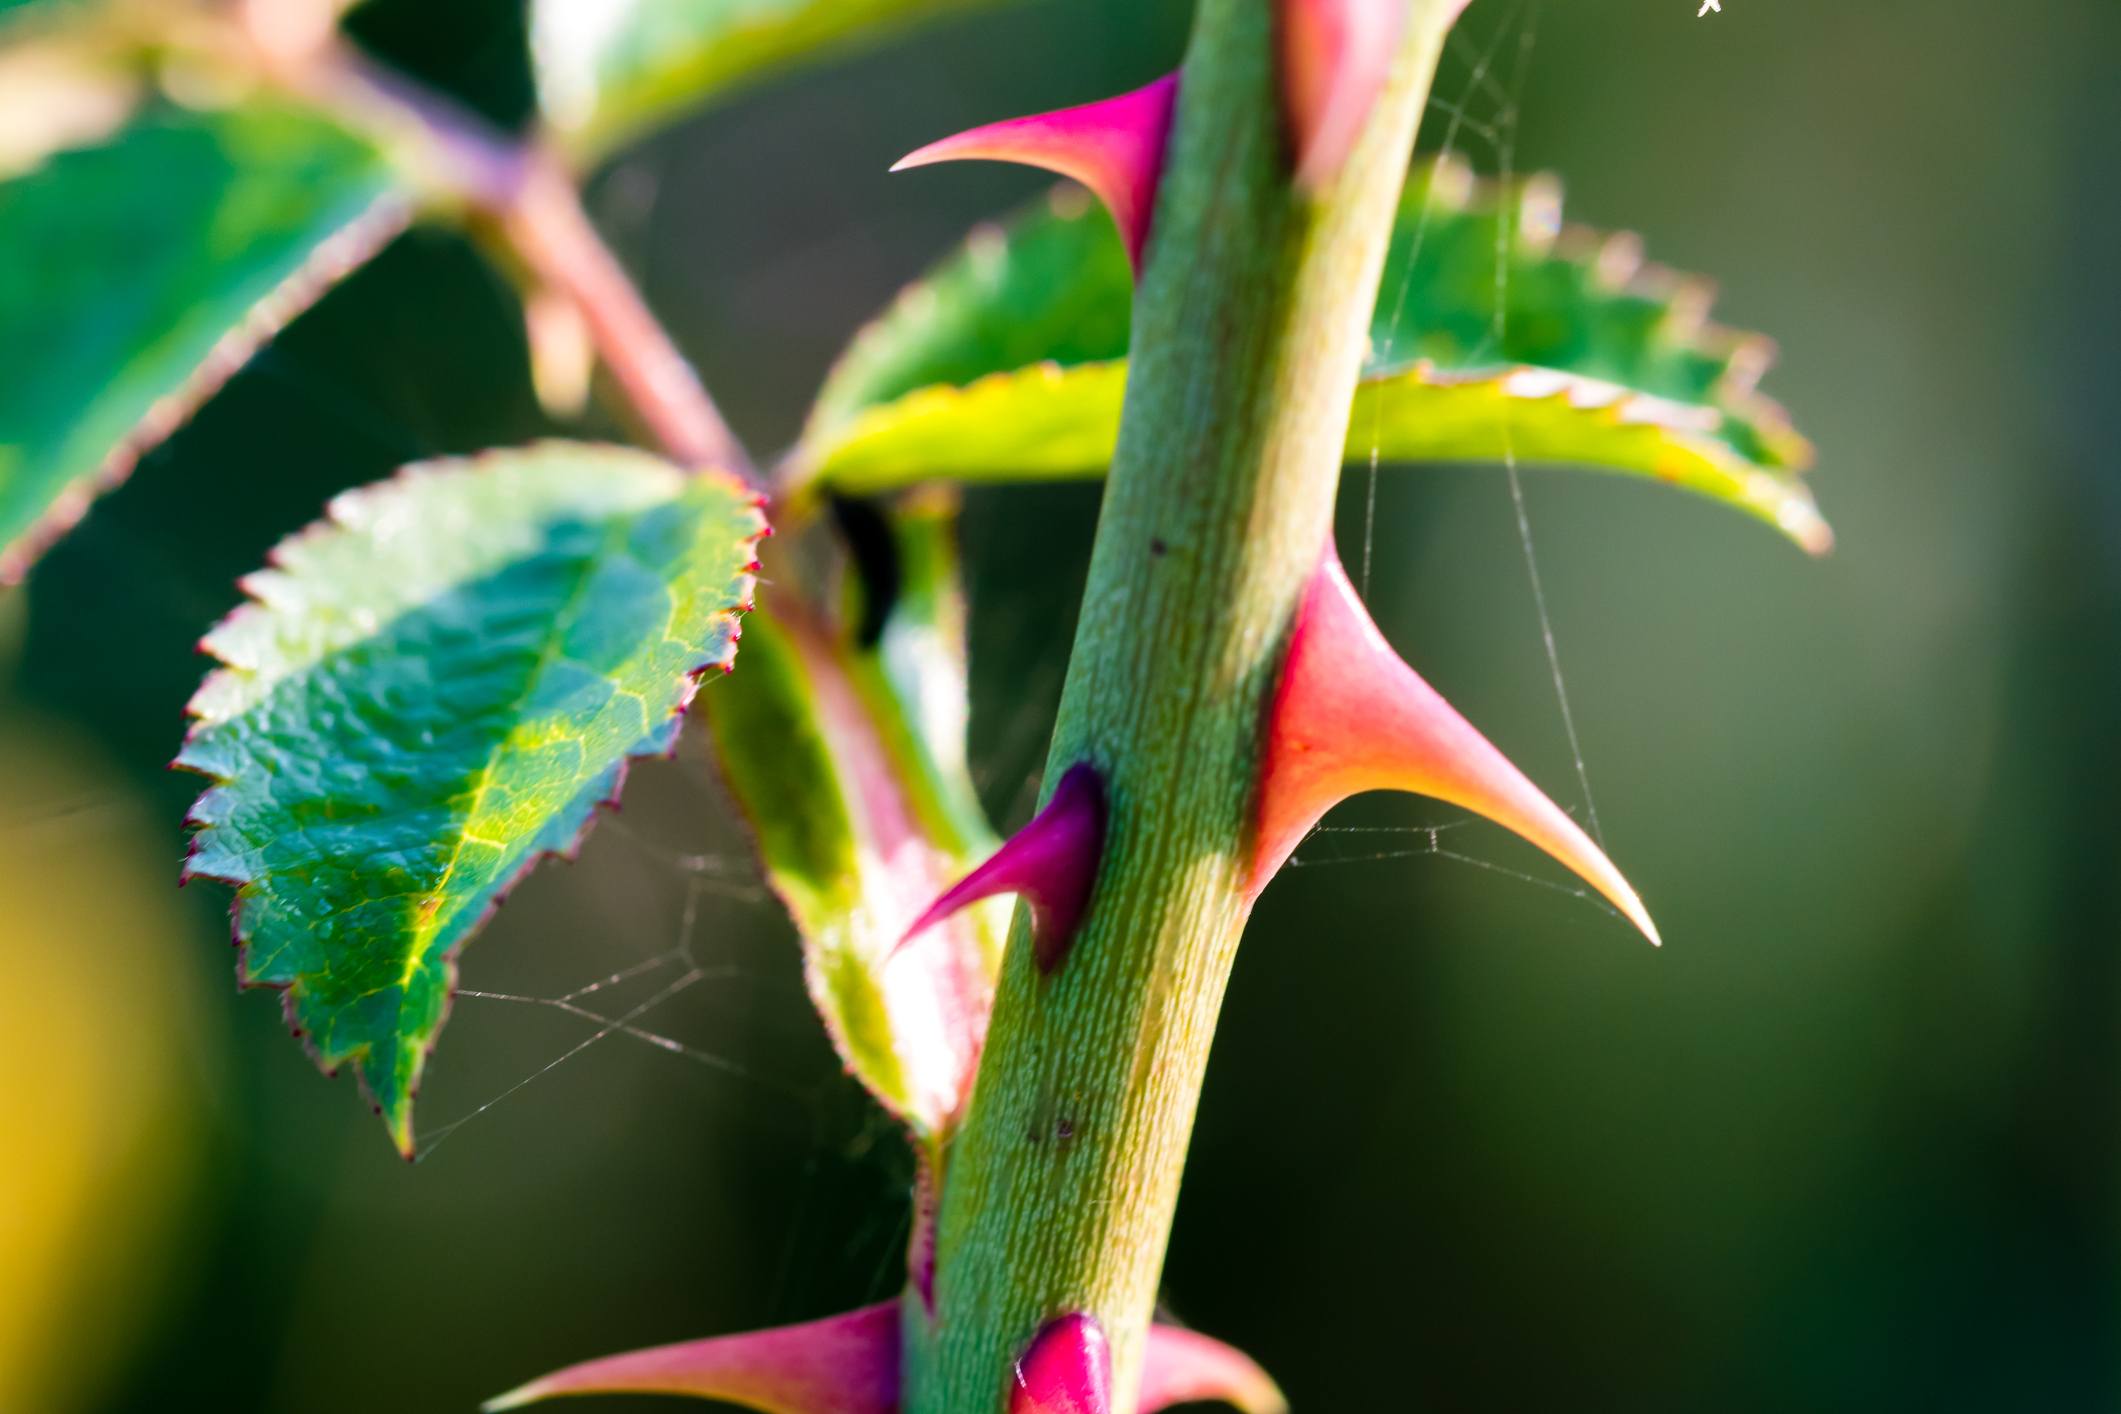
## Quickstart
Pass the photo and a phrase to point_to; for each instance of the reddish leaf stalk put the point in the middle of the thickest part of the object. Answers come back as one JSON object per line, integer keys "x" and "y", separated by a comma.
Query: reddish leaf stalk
{"x": 531, "y": 201}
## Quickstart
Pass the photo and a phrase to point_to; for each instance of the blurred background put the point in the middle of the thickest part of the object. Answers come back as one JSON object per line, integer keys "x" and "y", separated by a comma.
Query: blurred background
{"x": 1852, "y": 1139}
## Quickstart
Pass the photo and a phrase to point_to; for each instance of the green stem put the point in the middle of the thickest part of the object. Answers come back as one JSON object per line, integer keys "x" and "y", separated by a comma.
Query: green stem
{"x": 1247, "y": 342}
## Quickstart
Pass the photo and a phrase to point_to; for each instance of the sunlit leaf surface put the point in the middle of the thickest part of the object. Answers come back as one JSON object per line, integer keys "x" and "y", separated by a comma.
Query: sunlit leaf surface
{"x": 430, "y": 690}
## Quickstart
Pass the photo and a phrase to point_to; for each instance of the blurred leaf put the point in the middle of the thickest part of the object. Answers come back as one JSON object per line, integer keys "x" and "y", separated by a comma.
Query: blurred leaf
{"x": 844, "y": 744}
{"x": 1005, "y": 362}
{"x": 432, "y": 689}
{"x": 608, "y": 70}
{"x": 102, "y": 1143}
{"x": 60, "y": 92}
{"x": 143, "y": 272}
{"x": 14, "y": 618}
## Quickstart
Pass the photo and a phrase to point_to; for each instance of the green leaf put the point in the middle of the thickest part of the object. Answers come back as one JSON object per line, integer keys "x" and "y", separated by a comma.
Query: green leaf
{"x": 1006, "y": 363}
{"x": 1049, "y": 423}
{"x": 608, "y": 70}
{"x": 1053, "y": 285}
{"x": 433, "y": 688}
{"x": 142, "y": 272}
{"x": 843, "y": 741}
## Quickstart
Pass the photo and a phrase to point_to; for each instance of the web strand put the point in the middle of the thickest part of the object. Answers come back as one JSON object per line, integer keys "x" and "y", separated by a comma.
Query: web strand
{"x": 1458, "y": 120}
{"x": 678, "y": 959}
{"x": 1505, "y": 231}
{"x": 1483, "y": 83}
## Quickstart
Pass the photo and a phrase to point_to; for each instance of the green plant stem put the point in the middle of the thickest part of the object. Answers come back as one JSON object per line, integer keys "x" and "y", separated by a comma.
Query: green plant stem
{"x": 1248, "y": 335}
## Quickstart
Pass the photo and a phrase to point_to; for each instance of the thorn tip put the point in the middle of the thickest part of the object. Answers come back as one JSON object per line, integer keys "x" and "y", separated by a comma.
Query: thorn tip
{"x": 1350, "y": 716}
{"x": 1051, "y": 864}
{"x": 1115, "y": 147}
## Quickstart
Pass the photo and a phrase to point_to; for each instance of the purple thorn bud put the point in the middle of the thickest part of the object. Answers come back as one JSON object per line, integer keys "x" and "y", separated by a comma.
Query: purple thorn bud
{"x": 1067, "y": 1369}
{"x": 1051, "y": 864}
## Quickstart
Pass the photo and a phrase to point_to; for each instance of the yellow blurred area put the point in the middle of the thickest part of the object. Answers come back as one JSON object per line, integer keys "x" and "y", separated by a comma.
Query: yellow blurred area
{"x": 100, "y": 1049}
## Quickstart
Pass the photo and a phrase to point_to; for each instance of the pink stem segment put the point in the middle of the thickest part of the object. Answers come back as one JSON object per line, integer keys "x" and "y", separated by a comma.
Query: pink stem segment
{"x": 841, "y": 1365}
{"x": 1351, "y": 716}
{"x": 1051, "y": 864}
{"x": 1114, "y": 147}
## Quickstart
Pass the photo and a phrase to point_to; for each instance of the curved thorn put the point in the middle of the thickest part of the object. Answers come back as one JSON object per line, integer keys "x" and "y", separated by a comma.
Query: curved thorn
{"x": 1050, "y": 864}
{"x": 1351, "y": 716}
{"x": 846, "y": 1364}
{"x": 1335, "y": 55}
{"x": 1067, "y": 1369}
{"x": 1184, "y": 1367}
{"x": 1115, "y": 147}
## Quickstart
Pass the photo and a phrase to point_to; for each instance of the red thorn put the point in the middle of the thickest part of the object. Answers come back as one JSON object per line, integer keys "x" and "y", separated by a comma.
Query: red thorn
{"x": 1051, "y": 864}
{"x": 1067, "y": 1369}
{"x": 1185, "y": 1367}
{"x": 847, "y": 1364}
{"x": 1335, "y": 55}
{"x": 1115, "y": 147}
{"x": 1351, "y": 716}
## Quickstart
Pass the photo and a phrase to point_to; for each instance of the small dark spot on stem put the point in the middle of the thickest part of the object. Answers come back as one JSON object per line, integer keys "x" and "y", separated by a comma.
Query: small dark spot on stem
{"x": 1157, "y": 545}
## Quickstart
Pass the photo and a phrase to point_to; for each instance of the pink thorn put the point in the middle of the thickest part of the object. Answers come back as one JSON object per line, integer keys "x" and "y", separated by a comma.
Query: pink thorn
{"x": 1115, "y": 147}
{"x": 1067, "y": 1369}
{"x": 1351, "y": 716}
{"x": 1184, "y": 1367}
{"x": 846, "y": 1364}
{"x": 1051, "y": 864}
{"x": 1335, "y": 55}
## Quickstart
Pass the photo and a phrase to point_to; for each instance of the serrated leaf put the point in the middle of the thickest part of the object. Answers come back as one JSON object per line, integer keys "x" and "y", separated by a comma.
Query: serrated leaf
{"x": 1049, "y": 423}
{"x": 430, "y": 690}
{"x": 608, "y": 70}
{"x": 1051, "y": 286}
{"x": 843, "y": 741}
{"x": 1006, "y": 362}
{"x": 142, "y": 272}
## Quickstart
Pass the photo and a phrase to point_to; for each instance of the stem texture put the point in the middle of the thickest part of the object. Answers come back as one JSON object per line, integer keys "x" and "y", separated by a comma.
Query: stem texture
{"x": 1248, "y": 336}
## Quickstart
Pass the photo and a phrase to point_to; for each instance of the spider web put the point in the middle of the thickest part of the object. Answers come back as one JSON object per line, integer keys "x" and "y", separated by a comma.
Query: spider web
{"x": 635, "y": 998}
{"x": 1481, "y": 123}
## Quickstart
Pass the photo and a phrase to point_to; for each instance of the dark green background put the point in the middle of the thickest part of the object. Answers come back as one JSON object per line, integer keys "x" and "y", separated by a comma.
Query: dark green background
{"x": 1848, "y": 1141}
